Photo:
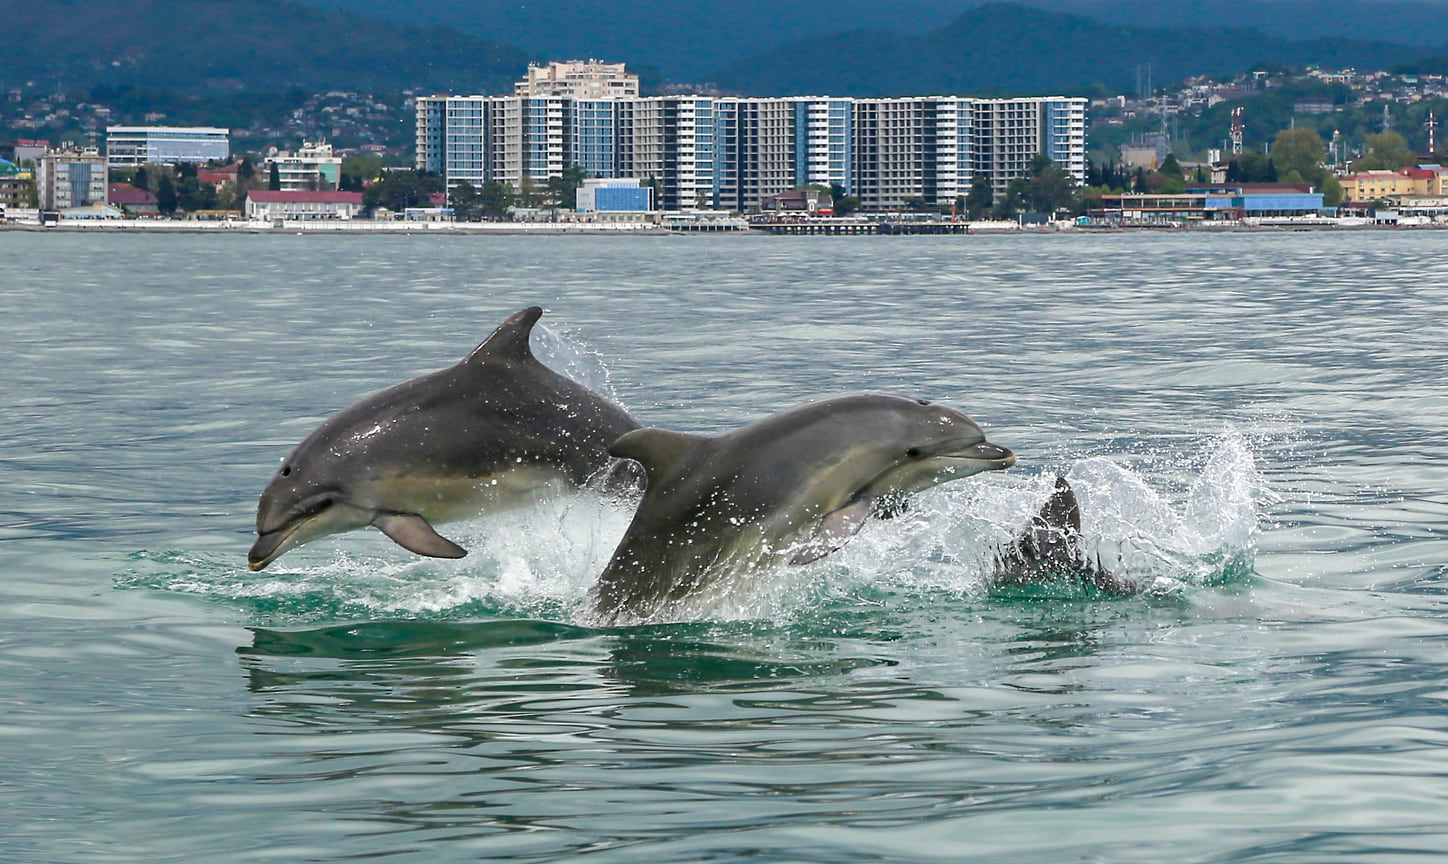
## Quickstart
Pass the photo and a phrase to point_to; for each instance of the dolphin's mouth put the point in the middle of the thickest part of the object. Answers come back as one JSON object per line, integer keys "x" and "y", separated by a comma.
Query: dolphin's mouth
{"x": 269, "y": 546}
{"x": 991, "y": 456}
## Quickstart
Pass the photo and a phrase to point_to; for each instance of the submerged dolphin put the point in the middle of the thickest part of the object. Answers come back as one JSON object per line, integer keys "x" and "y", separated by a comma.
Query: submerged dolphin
{"x": 1050, "y": 549}
{"x": 493, "y": 432}
{"x": 792, "y": 487}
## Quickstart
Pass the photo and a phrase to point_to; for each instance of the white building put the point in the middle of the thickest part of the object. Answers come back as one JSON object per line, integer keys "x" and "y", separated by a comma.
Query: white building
{"x": 578, "y": 79}
{"x": 758, "y": 156}
{"x": 72, "y": 178}
{"x": 129, "y": 146}
{"x": 310, "y": 168}
{"x": 735, "y": 152}
{"x": 1006, "y": 135}
{"x": 670, "y": 140}
{"x": 267, "y": 206}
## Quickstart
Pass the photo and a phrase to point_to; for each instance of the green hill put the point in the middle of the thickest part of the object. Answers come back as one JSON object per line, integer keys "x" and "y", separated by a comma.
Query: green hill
{"x": 239, "y": 44}
{"x": 1014, "y": 48}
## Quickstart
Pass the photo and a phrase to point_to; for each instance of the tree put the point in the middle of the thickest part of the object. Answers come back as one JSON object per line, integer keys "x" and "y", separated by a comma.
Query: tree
{"x": 1387, "y": 151}
{"x": 466, "y": 203}
{"x": 1010, "y": 204}
{"x": 166, "y": 195}
{"x": 139, "y": 179}
{"x": 564, "y": 189}
{"x": 1049, "y": 188}
{"x": 844, "y": 204}
{"x": 494, "y": 200}
{"x": 398, "y": 190}
{"x": 1251, "y": 167}
{"x": 1300, "y": 150}
{"x": 978, "y": 200}
{"x": 274, "y": 179}
{"x": 244, "y": 169}
{"x": 527, "y": 191}
{"x": 1163, "y": 182}
{"x": 192, "y": 195}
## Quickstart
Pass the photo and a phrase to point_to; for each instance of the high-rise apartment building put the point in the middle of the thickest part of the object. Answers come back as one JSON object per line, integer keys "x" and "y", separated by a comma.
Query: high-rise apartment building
{"x": 578, "y": 79}
{"x": 1006, "y": 135}
{"x": 71, "y": 178}
{"x": 734, "y": 152}
{"x": 670, "y": 141}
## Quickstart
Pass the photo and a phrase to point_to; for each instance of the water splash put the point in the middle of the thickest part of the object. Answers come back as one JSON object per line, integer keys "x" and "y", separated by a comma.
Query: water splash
{"x": 539, "y": 562}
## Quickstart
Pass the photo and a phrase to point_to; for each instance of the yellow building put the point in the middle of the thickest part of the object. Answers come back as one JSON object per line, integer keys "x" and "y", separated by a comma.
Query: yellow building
{"x": 1377, "y": 185}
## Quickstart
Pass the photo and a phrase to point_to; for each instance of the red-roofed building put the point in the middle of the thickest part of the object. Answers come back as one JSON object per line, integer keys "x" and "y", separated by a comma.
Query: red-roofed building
{"x": 134, "y": 201}
{"x": 1420, "y": 180}
{"x": 217, "y": 176}
{"x": 270, "y": 206}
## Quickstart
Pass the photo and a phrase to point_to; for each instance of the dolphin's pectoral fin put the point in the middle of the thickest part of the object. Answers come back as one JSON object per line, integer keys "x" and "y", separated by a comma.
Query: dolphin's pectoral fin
{"x": 835, "y": 530}
{"x": 411, "y": 532}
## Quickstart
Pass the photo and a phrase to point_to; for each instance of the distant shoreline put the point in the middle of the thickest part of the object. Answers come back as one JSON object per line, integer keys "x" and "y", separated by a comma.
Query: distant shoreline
{"x": 576, "y": 229}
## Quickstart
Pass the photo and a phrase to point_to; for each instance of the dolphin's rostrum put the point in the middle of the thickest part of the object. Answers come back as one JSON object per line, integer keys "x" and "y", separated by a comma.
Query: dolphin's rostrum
{"x": 789, "y": 488}
{"x": 496, "y": 431}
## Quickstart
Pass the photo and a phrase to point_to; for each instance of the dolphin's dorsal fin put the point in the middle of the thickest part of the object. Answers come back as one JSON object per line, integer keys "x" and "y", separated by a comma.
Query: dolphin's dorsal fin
{"x": 510, "y": 340}
{"x": 658, "y": 450}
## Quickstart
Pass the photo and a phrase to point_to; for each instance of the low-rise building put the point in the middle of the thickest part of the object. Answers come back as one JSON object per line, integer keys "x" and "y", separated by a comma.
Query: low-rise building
{"x": 1419, "y": 180}
{"x": 614, "y": 195}
{"x": 268, "y": 206}
{"x": 1375, "y": 185}
{"x": 310, "y": 168}
{"x": 134, "y": 201}
{"x": 14, "y": 186}
{"x": 800, "y": 201}
{"x": 130, "y": 146}
{"x": 1210, "y": 202}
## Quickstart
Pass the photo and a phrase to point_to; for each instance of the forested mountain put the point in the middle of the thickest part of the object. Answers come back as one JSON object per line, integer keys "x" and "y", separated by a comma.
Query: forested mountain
{"x": 688, "y": 41}
{"x": 1010, "y": 47}
{"x": 199, "y": 46}
{"x": 239, "y": 44}
{"x": 684, "y": 39}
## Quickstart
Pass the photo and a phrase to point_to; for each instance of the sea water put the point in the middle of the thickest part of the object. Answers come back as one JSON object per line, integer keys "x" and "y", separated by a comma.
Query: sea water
{"x": 1254, "y": 424}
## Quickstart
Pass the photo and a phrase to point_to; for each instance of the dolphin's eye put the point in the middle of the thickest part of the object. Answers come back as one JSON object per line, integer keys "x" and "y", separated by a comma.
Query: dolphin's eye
{"x": 913, "y": 453}
{"x": 286, "y": 470}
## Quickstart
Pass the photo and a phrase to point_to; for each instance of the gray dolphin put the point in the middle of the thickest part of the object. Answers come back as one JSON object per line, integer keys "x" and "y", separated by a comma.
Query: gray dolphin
{"x": 791, "y": 487}
{"x": 493, "y": 432}
{"x": 1050, "y": 549}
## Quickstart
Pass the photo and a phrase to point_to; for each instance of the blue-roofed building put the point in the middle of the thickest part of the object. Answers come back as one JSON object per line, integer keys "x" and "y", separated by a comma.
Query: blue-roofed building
{"x": 1211, "y": 202}
{"x": 614, "y": 195}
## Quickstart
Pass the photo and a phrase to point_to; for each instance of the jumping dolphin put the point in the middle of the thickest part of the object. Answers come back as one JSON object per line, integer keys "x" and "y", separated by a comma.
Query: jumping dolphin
{"x": 791, "y": 487}
{"x": 1050, "y": 549}
{"x": 493, "y": 432}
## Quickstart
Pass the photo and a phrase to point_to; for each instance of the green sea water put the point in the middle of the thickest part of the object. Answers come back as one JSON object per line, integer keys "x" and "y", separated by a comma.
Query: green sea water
{"x": 1254, "y": 424}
